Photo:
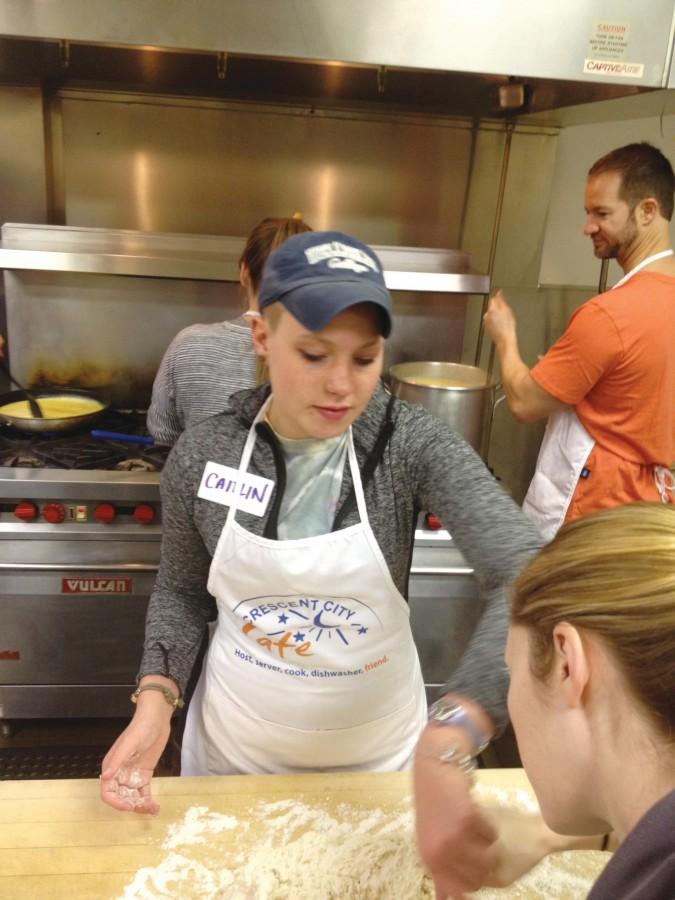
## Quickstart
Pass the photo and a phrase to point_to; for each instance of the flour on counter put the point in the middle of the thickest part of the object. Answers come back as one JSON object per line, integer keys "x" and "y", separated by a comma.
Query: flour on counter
{"x": 178, "y": 876}
{"x": 195, "y": 825}
{"x": 288, "y": 850}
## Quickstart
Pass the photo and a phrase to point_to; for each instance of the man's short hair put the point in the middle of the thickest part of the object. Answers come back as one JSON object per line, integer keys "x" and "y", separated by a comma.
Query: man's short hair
{"x": 645, "y": 172}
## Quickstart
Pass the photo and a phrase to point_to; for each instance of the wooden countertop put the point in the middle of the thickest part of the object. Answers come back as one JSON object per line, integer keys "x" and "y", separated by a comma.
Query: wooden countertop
{"x": 58, "y": 840}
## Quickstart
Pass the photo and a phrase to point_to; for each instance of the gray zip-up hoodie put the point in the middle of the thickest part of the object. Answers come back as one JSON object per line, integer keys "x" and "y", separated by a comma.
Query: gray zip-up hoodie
{"x": 424, "y": 466}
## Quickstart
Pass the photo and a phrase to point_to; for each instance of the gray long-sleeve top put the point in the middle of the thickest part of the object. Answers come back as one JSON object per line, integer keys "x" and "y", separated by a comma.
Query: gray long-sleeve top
{"x": 202, "y": 366}
{"x": 425, "y": 466}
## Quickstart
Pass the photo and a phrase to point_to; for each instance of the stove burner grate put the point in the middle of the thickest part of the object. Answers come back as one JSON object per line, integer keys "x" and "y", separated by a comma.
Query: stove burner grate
{"x": 81, "y": 451}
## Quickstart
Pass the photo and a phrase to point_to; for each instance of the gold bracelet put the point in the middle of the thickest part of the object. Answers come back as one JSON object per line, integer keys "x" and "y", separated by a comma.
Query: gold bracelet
{"x": 169, "y": 696}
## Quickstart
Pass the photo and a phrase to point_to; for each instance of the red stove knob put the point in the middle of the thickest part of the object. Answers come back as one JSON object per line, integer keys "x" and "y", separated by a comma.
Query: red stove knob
{"x": 54, "y": 512}
{"x": 26, "y": 511}
{"x": 144, "y": 514}
{"x": 432, "y": 522}
{"x": 104, "y": 512}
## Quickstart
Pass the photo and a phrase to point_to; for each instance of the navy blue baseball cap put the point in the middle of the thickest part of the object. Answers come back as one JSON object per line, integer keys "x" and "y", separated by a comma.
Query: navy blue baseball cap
{"x": 319, "y": 274}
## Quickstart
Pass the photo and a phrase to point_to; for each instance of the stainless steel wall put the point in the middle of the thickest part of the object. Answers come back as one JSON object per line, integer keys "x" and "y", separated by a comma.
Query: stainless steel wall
{"x": 23, "y": 186}
{"x": 23, "y": 173}
{"x": 210, "y": 167}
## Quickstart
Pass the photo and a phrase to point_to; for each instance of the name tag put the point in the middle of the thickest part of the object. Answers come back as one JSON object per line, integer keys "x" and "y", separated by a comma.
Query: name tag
{"x": 223, "y": 484}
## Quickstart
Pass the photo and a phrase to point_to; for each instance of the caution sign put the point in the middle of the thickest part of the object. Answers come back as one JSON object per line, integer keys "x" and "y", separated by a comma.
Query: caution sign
{"x": 608, "y": 52}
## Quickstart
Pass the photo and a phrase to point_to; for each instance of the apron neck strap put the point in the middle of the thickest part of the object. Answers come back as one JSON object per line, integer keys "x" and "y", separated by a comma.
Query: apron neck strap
{"x": 369, "y": 467}
{"x": 246, "y": 456}
{"x": 641, "y": 265}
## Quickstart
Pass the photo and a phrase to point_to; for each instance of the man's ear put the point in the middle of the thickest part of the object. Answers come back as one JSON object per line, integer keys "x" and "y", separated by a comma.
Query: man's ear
{"x": 647, "y": 210}
{"x": 571, "y": 669}
{"x": 259, "y": 335}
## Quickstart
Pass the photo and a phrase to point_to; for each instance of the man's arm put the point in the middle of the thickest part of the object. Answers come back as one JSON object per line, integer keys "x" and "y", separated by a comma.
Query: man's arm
{"x": 527, "y": 401}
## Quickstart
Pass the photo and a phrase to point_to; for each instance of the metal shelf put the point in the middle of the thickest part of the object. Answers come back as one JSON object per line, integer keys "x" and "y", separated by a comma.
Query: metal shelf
{"x": 55, "y": 248}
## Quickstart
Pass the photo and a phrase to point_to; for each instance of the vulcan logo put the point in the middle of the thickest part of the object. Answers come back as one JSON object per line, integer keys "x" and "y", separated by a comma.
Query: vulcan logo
{"x": 96, "y": 586}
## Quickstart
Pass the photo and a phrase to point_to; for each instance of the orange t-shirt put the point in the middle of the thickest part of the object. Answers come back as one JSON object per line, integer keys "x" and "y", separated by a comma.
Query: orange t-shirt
{"x": 615, "y": 364}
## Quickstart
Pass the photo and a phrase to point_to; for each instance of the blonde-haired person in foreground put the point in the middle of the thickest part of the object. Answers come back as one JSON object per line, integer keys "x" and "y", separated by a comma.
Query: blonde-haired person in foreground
{"x": 591, "y": 654}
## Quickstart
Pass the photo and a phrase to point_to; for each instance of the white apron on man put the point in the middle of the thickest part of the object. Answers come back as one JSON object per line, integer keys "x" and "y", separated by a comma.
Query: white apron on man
{"x": 312, "y": 664}
{"x": 564, "y": 450}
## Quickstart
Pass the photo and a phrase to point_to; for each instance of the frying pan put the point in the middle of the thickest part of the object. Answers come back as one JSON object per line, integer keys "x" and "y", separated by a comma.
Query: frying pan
{"x": 47, "y": 424}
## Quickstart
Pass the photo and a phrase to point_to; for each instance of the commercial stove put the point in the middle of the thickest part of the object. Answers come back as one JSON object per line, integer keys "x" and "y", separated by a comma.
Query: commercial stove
{"x": 80, "y": 532}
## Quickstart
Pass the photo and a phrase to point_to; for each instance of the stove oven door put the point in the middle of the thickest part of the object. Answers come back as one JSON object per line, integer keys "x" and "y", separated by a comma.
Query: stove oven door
{"x": 71, "y": 632}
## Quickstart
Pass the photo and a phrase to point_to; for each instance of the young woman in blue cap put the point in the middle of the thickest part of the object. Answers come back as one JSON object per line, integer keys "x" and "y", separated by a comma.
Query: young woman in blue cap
{"x": 290, "y": 519}
{"x": 205, "y": 363}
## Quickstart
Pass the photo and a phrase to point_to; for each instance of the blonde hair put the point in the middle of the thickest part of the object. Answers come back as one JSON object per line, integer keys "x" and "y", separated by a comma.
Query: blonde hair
{"x": 613, "y": 574}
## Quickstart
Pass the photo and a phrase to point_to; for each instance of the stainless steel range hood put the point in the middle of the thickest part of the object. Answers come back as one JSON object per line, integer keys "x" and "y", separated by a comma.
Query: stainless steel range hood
{"x": 551, "y": 40}
{"x": 525, "y": 53}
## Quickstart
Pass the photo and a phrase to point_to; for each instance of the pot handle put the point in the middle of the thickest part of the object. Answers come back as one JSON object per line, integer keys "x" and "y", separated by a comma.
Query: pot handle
{"x": 487, "y": 429}
{"x": 116, "y": 436}
{"x": 498, "y": 387}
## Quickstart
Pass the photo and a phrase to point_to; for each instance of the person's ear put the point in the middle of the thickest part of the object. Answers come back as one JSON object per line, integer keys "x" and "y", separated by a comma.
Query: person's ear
{"x": 571, "y": 668}
{"x": 647, "y": 210}
{"x": 259, "y": 335}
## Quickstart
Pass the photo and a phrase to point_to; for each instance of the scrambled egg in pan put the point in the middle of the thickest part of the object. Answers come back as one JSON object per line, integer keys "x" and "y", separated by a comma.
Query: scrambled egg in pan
{"x": 64, "y": 407}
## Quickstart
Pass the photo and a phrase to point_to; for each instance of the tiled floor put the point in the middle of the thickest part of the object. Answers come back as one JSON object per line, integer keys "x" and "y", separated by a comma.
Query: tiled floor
{"x": 62, "y": 748}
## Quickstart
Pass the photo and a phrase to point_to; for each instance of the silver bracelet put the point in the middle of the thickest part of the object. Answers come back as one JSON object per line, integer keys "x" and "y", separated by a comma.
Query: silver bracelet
{"x": 454, "y": 756}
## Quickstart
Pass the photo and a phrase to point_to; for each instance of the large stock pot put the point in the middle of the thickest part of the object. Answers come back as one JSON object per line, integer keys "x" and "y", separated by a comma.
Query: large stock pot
{"x": 463, "y": 396}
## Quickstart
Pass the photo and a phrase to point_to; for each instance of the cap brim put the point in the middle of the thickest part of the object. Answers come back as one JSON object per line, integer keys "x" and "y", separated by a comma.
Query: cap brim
{"x": 316, "y": 305}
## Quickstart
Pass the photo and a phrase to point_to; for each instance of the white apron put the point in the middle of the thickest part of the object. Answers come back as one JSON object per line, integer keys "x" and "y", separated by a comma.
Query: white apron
{"x": 564, "y": 450}
{"x": 312, "y": 664}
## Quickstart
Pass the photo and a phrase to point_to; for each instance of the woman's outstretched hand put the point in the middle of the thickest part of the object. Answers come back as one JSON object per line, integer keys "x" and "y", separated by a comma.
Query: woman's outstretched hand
{"x": 128, "y": 767}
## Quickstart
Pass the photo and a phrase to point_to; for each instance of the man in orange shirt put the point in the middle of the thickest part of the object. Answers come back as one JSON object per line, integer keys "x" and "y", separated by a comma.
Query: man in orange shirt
{"x": 608, "y": 384}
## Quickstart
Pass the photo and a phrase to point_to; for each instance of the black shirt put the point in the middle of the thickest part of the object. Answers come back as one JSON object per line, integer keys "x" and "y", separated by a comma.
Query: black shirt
{"x": 643, "y": 867}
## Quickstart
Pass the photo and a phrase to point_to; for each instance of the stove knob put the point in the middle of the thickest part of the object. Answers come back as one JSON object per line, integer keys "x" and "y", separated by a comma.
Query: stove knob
{"x": 26, "y": 511}
{"x": 432, "y": 522}
{"x": 144, "y": 514}
{"x": 104, "y": 512}
{"x": 54, "y": 512}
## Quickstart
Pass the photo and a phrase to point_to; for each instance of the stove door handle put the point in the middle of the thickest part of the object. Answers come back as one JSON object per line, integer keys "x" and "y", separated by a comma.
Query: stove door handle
{"x": 441, "y": 570}
{"x": 79, "y": 567}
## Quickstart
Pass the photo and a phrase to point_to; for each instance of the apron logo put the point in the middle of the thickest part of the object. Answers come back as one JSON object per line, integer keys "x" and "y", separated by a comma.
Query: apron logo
{"x": 225, "y": 485}
{"x": 283, "y": 643}
{"x": 291, "y": 627}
